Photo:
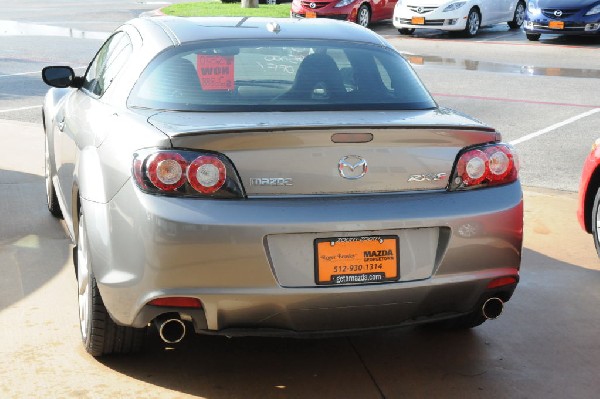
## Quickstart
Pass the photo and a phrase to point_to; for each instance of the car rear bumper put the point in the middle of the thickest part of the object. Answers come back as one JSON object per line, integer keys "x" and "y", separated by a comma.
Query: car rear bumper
{"x": 251, "y": 264}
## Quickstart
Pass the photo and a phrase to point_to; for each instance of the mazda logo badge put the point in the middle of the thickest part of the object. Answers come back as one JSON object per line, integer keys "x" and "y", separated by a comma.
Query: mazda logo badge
{"x": 420, "y": 10}
{"x": 558, "y": 13}
{"x": 352, "y": 167}
{"x": 312, "y": 5}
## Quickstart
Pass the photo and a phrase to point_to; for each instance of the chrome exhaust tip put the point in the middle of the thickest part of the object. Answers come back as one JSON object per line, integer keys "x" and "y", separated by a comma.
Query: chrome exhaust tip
{"x": 171, "y": 331}
{"x": 492, "y": 308}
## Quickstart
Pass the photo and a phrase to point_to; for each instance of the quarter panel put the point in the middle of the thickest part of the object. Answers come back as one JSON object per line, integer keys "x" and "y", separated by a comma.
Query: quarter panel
{"x": 103, "y": 170}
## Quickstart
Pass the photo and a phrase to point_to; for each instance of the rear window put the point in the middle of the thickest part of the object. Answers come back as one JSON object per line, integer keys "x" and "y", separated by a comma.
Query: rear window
{"x": 279, "y": 76}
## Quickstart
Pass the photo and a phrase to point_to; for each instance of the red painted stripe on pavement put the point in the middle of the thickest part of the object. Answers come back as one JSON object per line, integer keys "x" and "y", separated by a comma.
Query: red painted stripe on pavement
{"x": 513, "y": 100}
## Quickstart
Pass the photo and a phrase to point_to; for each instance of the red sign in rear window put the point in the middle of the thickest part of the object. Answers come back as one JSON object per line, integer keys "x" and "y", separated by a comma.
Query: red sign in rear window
{"x": 216, "y": 72}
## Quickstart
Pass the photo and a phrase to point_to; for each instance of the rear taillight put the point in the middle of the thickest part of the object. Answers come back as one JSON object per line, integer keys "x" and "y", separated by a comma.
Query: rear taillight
{"x": 166, "y": 170}
{"x": 487, "y": 165}
{"x": 186, "y": 173}
{"x": 207, "y": 174}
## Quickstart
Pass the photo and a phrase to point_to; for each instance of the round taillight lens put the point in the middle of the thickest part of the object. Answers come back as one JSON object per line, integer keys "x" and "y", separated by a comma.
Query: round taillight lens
{"x": 473, "y": 167}
{"x": 500, "y": 162}
{"x": 166, "y": 170}
{"x": 206, "y": 174}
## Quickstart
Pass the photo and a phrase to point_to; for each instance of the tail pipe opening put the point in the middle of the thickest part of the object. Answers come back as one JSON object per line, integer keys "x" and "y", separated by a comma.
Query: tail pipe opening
{"x": 492, "y": 308}
{"x": 171, "y": 330}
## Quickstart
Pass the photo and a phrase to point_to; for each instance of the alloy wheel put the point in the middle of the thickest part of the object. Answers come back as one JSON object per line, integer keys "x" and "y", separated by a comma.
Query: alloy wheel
{"x": 473, "y": 23}
{"x": 520, "y": 14}
{"x": 47, "y": 174}
{"x": 83, "y": 280}
{"x": 363, "y": 16}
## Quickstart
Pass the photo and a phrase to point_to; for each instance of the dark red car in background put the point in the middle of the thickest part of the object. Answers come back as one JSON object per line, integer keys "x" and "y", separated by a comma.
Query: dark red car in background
{"x": 589, "y": 194}
{"x": 362, "y": 12}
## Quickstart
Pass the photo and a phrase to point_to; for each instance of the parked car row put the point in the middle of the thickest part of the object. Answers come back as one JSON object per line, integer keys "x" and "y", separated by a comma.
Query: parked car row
{"x": 537, "y": 17}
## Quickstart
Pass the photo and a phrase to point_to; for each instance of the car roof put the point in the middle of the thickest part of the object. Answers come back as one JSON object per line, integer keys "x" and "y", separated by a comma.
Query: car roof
{"x": 183, "y": 30}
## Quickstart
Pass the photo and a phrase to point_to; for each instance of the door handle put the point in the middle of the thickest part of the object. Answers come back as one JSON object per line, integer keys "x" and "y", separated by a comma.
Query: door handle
{"x": 61, "y": 125}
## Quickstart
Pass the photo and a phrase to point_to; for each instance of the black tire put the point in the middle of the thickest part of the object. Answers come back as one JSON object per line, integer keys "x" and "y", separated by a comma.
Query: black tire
{"x": 51, "y": 198}
{"x": 518, "y": 17}
{"x": 363, "y": 16}
{"x": 473, "y": 23}
{"x": 406, "y": 31}
{"x": 595, "y": 226}
{"x": 534, "y": 37}
{"x": 99, "y": 333}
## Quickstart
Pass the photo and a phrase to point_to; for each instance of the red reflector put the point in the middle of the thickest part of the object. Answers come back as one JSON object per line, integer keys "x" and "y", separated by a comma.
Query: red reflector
{"x": 501, "y": 282}
{"x": 178, "y": 302}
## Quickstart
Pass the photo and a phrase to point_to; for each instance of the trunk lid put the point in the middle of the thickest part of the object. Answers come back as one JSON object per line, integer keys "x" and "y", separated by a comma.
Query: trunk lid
{"x": 331, "y": 153}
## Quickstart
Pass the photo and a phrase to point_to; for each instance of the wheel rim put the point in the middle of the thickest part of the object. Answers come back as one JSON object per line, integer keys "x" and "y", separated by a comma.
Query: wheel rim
{"x": 473, "y": 23}
{"x": 363, "y": 17}
{"x": 83, "y": 280}
{"x": 47, "y": 174}
{"x": 595, "y": 230}
{"x": 520, "y": 14}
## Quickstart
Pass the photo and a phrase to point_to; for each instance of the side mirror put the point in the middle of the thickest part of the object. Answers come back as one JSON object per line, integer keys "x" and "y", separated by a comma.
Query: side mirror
{"x": 59, "y": 76}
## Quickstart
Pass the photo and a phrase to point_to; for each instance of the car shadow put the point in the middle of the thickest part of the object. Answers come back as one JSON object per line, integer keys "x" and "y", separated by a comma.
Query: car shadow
{"x": 566, "y": 40}
{"x": 514, "y": 356}
{"x": 33, "y": 245}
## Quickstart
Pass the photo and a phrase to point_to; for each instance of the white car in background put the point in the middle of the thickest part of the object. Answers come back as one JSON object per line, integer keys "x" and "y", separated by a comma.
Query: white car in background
{"x": 458, "y": 16}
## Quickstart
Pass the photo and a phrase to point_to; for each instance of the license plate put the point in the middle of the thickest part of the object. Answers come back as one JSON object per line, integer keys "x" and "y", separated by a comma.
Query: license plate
{"x": 356, "y": 260}
{"x": 311, "y": 14}
{"x": 416, "y": 60}
{"x": 418, "y": 20}
{"x": 556, "y": 25}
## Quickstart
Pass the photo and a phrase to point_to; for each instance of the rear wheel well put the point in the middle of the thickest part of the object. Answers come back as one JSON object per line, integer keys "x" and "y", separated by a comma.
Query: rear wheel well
{"x": 368, "y": 5}
{"x": 476, "y": 8}
{"x": 590, "y": 195}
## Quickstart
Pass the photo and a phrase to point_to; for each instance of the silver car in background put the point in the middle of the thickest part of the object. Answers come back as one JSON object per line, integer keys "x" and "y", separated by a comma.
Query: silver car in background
{"x": 246, "y": 176}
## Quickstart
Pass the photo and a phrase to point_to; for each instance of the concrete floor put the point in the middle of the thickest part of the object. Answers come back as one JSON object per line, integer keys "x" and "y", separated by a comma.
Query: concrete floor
{"x": 545, "y": 345}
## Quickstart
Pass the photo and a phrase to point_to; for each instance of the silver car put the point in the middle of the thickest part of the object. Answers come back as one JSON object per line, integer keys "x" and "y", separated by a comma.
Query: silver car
{"x": 246, "y": 176}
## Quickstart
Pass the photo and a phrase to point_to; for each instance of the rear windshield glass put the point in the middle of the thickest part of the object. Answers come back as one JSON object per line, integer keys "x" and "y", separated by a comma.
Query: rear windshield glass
{"x": 279, "y": 76}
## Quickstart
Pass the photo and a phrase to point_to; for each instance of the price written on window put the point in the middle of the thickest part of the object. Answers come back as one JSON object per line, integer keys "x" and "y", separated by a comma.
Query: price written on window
{"x": 216, "y": 72}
